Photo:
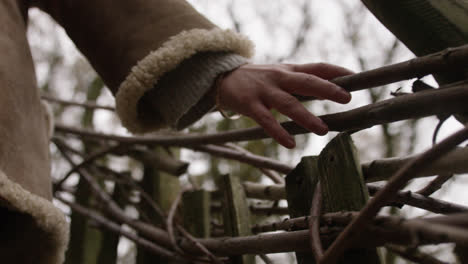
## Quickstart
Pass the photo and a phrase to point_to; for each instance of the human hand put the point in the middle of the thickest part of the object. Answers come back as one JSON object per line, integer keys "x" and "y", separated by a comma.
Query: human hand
{"x": 252, "y": 90}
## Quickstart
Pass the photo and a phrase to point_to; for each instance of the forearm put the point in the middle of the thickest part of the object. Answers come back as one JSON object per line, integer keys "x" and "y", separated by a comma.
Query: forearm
{"x": 133, "y": 45}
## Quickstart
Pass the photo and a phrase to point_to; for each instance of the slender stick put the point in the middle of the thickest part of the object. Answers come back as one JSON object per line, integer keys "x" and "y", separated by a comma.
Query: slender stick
{"x": 170, "y": 223}
{"x": 377, "y": 170}
{"x": 443, "y": 61}
{"x": 382, "y": 169}
{"x": 315, "y": 212}
{"x": 113, "y": 227}
{"x": 396, "y": 182}
{"x": 90, "y": 159}
{"x": 277, "y": 192}
{"x": 275, "y": 177}
{"x": 201, "y": 247}
{"x": 161, "y": 214}
{"x": 449, "y": 100}
{"x": 420, "y": 201}
{"x": 435, "y": 184}
{"x": 155, "y": 233}
{"x": 88, "y": 105}
{"x": 414, "y": 255}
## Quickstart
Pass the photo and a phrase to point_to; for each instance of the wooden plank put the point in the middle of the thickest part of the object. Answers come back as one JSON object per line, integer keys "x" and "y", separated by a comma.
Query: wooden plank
{"x": 300, "y": 186}
{"x": 164, "y": 189}
{"x": 343, "y": 188}
{"x": 236, "y": 214}
{"x": 196, "y": 212}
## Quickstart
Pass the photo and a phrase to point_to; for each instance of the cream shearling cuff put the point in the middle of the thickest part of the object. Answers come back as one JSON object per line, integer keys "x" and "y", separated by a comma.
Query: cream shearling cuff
{"x": 182, "y": 96}
{"x": 150, "y": 69}
{"x": 46, "y": 236}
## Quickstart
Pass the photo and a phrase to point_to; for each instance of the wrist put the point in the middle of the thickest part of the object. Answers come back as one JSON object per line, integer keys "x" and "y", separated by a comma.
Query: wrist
{"x": 219, "y": 98}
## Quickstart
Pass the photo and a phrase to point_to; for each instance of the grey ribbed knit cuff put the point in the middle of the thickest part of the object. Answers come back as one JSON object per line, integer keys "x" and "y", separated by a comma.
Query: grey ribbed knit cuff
{"x": 180, "y": 96}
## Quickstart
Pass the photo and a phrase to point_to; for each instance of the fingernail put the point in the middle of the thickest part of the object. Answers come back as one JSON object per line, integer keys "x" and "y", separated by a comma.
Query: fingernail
{"x": 343, "y": 96}
{"x": 291, "y": 143}
{"x": 323, "y": 129}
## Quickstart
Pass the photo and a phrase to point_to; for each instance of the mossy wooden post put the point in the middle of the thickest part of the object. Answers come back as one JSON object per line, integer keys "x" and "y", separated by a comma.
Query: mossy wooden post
{"x": 338, "y": 170}
{"x": 236, "y": 214}
{"x": 196, "y": 212}
{"x": 343, "y": 188}
{"x": 163, "y": 188}
{"x": 300, "y": 186}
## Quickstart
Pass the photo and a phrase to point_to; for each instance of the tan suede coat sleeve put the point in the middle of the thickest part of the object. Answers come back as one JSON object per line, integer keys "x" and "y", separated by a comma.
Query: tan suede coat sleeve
{"x": 132, "y": 44}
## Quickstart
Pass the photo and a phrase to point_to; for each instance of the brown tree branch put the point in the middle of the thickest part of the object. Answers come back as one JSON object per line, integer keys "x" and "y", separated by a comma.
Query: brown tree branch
{"x": 314, "y": 226}
{"x": 453, "y": 163}
{"x": 446, "y": 60}
{"x": 420, "y": 201}
{"x": 277, "y": 192}
{"x": 272, "y": 174}
{"x": 87, "y": 105}
{"x": 435, "y": 184}
{"x": 414, "y": 255}
{"x": 115, "y": 228}
{"x": 246, "y": 157}
{"x": 162, "y": 215}
{"x": 449, "y": 100}
{"x": 170, "y": 223}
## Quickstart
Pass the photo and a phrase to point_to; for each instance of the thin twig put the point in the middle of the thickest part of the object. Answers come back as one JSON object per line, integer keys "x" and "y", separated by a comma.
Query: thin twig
{"x": 170, "y": 223}
{"x": 88, "y": 105}
{"x": 113, "y": 209}
{"x": 435, "y": 184}
{"x": 315, "y": 212}
{"x": 414, "y": 255}
{"x": 449, "y": 101}
{"x": 88, "y": 160}
{"x": 162, "y": 215}
{"x": 113, "y": 227}
{"x": 250, "y": 157}
{"x": 420, "y": 201}
{"x": 278, "y": 192}
{"x": 245, "y": 156}
{"x": 202, "y": 248}
{"x": 383, "y": 196}
{"x": 382, "y": 169}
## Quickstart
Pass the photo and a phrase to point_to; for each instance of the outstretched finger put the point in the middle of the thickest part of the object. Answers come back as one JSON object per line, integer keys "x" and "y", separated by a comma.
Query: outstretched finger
{"x": 322, "y": 70}
{"x": 310, "y": 85}
{"x": 267, "y": 121}
{"x": 288, "y": 105}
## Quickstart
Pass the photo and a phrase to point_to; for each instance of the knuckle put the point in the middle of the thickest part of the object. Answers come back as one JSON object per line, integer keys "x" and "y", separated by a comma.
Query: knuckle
{"x": 278, "y": 73}
{"x": 287, "y": 102}
{"x": 310, "y": 79}
{"x": 264, "y": 118}
{"x": 322, "y": 65}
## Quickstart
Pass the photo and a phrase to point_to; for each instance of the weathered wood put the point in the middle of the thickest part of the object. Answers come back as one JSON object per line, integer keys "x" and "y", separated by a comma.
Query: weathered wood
{"x": 449, "y": 100}
{"x": 426, "y": 26}
{"x": 343, "y": 187}
{"x": 236, "y": 214}
{"x": 196, "y": 213}
{"x": 163, "y": 188}
{"x": 300, "y": 186}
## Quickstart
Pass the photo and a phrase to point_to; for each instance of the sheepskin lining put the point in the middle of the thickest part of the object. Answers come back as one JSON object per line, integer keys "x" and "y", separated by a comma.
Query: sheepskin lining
{"x": 37, "y": 231}
{"x": 149, "y": 70}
